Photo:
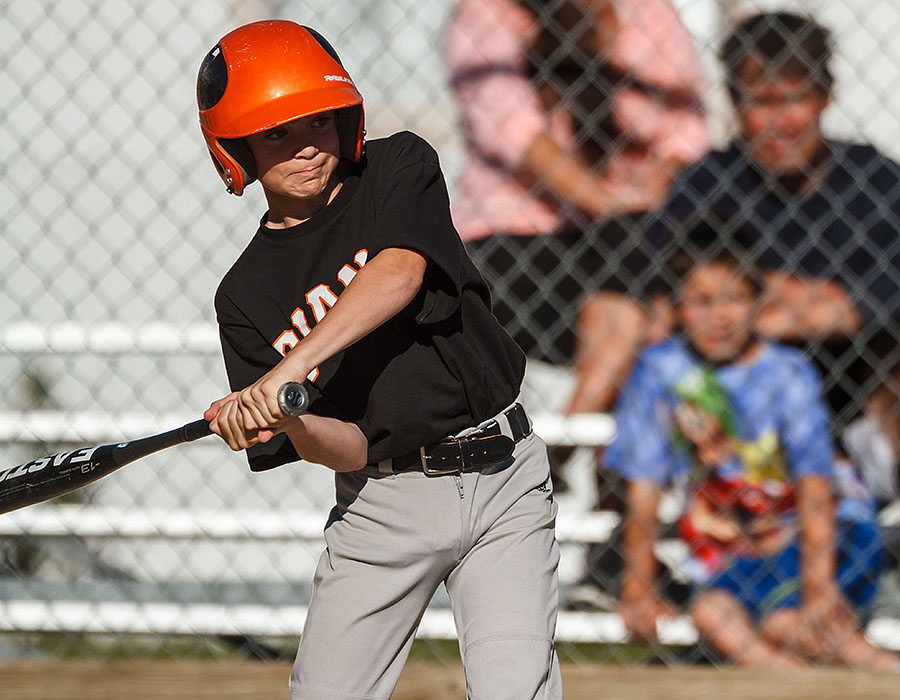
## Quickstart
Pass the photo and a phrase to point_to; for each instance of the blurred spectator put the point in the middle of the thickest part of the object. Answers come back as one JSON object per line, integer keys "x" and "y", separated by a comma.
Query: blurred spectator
{"x": 576, "y": 116}
{"x": 872, "y": 441}
{"x": 575, "y": 113}
{"x": 784, "y": 546}
{"x": 822, "y": 215}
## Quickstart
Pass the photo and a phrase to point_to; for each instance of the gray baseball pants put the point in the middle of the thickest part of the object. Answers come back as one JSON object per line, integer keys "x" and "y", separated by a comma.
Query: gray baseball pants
{"x": 393, "y": 538}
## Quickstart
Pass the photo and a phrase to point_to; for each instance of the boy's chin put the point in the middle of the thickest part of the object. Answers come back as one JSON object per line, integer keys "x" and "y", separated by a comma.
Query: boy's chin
{"x": 722, "y": 353}
{"x": 720, "y": 357}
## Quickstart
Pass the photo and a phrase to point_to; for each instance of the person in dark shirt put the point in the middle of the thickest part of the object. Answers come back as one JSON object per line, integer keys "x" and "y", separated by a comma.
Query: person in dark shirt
{"x": 357, "y": 281}
{"x": 822, "y": 216}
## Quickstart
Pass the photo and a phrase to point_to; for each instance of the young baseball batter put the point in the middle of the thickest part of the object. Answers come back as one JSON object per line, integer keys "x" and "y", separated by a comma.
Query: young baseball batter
{"x": 357, "y": 280}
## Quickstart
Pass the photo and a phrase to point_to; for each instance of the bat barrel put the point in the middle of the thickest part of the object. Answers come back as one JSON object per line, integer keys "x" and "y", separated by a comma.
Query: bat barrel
{"x": 54, "y": 475}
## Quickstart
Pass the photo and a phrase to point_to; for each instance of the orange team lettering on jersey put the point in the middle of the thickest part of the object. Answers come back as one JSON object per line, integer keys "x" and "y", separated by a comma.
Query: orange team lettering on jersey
{"x": 319, "y": 299}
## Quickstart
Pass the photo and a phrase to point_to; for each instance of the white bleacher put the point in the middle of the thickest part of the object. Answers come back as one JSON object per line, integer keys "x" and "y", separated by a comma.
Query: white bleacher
{"x": 576, "y": 525}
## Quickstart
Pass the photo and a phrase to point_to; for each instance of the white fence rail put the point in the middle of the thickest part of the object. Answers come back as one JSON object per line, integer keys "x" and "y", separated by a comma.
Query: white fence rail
{"x": 99, "y": 523}
{"x": 164, "y": 617}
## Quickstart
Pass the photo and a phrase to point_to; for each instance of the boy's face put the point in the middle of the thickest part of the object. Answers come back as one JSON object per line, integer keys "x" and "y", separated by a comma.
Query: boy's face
{"x": 715, "y": 311}
{"x": 780, "y": 118}
{"x": 298, "y": 160}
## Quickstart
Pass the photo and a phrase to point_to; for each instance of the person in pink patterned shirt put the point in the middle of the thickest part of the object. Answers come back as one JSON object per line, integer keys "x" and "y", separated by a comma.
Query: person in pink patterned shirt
{"x": 576, "y": 116}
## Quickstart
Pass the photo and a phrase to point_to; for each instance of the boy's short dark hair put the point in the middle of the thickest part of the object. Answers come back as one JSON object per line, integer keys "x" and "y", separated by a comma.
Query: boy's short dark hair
{"x": 702, "y": 246}
{"x": 785, "y": 43}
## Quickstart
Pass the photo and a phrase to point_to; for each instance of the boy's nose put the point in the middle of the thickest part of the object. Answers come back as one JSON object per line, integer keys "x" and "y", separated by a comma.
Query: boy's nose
{"x": 719, "y": 310}
{"x": 306, "y": 148}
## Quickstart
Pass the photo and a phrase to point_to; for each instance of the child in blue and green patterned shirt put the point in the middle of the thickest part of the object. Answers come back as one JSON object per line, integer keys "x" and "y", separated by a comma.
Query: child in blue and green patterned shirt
{"x": 784, "y": 548}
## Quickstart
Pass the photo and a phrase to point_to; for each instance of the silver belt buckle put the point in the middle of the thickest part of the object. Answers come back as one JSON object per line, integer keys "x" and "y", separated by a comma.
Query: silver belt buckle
{"x": 431, "y": 471}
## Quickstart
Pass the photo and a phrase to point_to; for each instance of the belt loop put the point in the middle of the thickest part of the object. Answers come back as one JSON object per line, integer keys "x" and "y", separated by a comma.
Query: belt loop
{"x": 524, "y": 420}
{"x": 464, "y": 452}
{"x": 506, "y": 427}
{"x": 518, "y": 421}
{"x": 386, "y": 466}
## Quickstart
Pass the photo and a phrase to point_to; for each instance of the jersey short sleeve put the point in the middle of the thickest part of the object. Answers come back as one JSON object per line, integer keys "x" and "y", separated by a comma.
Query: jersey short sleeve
{"x": 640, "y": 449}
{"x": 414, "y": 212}
{"x": 804, "y": 420}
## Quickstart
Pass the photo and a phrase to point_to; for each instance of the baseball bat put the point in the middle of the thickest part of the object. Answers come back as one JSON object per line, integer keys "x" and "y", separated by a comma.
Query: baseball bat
{"x": 52, "y": 476}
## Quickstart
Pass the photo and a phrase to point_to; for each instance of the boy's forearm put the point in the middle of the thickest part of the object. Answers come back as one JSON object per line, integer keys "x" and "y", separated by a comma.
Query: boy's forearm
{"x": 817, "y": 534}
{"x": 381, "y": 289}
{"x": 638, "y": 537}
{"x": 336, "y": 444}
{"x": 639, "y": 577}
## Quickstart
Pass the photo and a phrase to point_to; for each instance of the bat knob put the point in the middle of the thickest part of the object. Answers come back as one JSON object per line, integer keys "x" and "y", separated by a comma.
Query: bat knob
{"x": 293, "y": 399}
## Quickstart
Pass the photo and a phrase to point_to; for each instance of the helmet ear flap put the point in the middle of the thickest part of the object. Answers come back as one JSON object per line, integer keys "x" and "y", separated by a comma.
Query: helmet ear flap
{"x": 233, "y": 161}
{"x": 350, "y": 126}
{"x": 240, "y": 153}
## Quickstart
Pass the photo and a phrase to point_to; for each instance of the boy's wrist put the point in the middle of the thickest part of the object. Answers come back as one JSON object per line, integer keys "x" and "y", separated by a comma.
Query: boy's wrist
{"x": 818, "y": 588}
{"x": 297, "y": 364}
{"x": 636, "y": 588}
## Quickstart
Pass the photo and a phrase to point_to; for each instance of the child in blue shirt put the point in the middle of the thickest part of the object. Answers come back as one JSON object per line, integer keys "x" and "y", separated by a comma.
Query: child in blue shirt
{"x": 783, "y": 564}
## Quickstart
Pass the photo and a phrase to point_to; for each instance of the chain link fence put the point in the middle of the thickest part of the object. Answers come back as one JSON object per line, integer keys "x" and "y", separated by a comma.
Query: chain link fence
{"x": 117, "y": 232}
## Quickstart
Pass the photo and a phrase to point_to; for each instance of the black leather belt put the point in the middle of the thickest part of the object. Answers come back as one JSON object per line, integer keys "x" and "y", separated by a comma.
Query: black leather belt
{"x": 486, "y": 446}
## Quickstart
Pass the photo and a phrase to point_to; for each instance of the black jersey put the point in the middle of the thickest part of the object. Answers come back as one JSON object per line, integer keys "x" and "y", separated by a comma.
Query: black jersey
{"x": 444, "y": 363}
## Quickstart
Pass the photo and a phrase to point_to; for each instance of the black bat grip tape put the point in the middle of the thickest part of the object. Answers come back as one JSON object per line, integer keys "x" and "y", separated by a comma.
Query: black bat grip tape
{"x": 293, "y": 399}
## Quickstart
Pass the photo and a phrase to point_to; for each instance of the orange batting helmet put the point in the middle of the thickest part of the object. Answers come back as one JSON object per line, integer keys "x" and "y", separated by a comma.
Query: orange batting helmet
{"x": 265, "y": 74}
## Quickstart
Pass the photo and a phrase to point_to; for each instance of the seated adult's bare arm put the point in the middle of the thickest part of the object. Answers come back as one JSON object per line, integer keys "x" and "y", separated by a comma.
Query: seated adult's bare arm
{"x": 572, "y": 180}
{"x": 799, "y": 307}
{"x": 611, "y": 328}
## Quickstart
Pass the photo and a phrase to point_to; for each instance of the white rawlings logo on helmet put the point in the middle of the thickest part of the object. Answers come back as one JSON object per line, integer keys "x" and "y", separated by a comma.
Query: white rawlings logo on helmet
{"x": 332, "y": 78}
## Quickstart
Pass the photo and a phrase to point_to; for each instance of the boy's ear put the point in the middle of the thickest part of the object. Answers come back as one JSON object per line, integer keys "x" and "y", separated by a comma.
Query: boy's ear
{"x": 240, "y": 152}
